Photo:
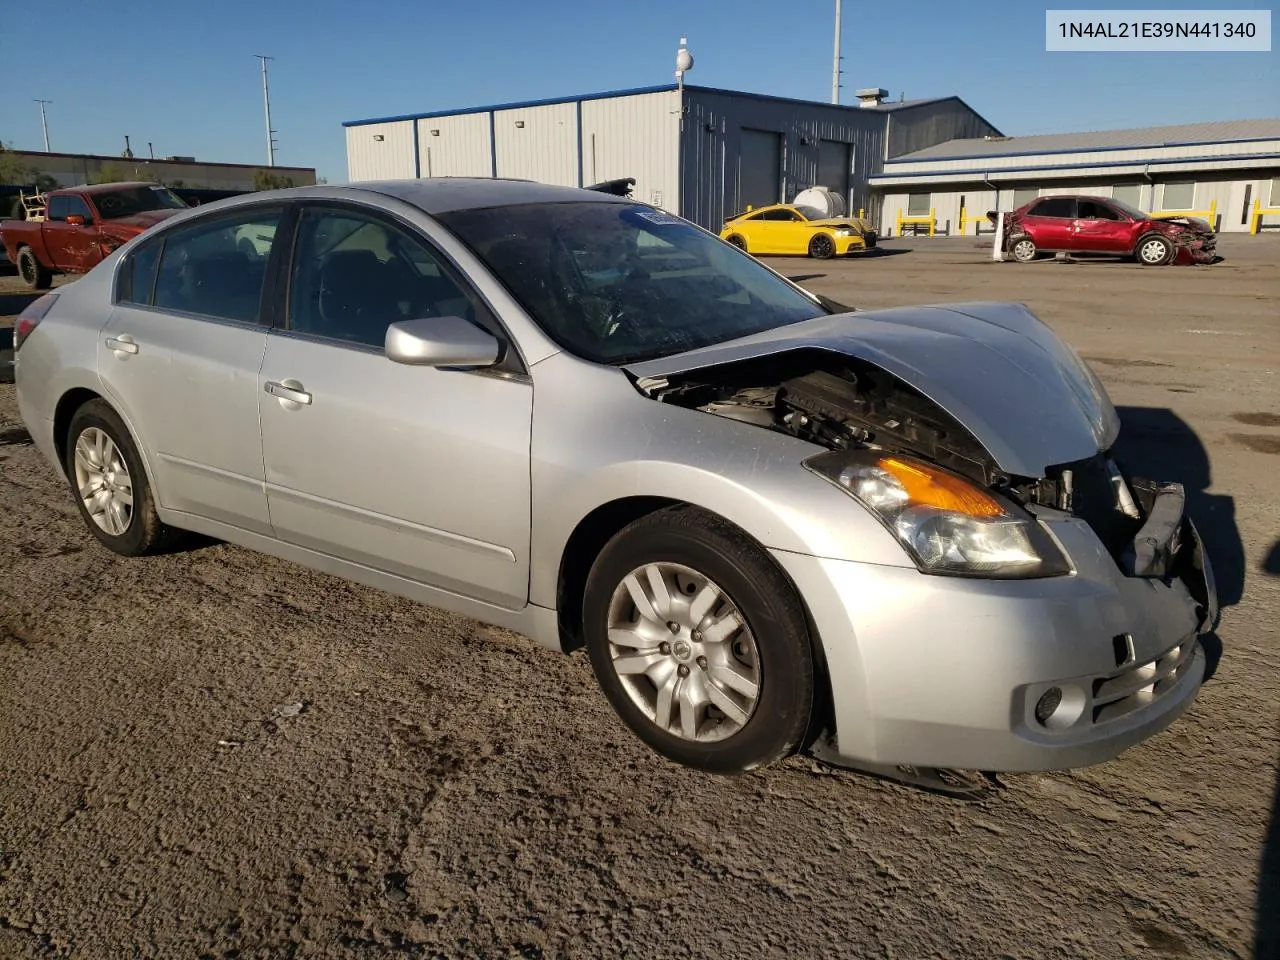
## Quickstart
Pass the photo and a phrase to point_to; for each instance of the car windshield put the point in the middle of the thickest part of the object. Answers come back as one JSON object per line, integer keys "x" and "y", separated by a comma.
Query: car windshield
{"x": 1132, "y": 212}
{"x": 618, "y": 282}
{"x": 128, "y": 201}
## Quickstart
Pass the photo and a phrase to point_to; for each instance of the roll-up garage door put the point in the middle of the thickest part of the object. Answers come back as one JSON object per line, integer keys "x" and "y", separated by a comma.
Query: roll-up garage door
{"x": 759, "y": 168}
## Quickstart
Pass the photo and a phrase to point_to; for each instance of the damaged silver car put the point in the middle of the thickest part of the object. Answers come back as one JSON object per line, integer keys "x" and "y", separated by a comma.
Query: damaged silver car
{"x": 897, "y": 538}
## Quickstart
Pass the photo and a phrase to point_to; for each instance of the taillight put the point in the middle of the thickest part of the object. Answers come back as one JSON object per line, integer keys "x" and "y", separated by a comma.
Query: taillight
{"x": 31, "y": 316}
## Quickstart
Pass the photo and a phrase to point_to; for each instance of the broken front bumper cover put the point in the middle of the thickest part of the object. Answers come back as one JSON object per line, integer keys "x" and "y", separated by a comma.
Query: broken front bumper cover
{"x": 956, "y": 673}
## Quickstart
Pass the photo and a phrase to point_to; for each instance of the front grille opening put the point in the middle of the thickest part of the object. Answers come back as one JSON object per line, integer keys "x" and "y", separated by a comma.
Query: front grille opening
{"x": 1122, "y": 647}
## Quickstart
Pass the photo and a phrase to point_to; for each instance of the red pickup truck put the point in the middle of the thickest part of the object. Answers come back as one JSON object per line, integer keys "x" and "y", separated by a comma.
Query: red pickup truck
{"x": 82, "y": 225}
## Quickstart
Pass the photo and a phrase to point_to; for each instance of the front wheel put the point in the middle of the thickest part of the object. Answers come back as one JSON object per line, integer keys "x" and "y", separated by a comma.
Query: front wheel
{"x": 822, "y": 247}
{"x": 34, "y": 274}
{"x": 738, "y": 241}
{"x": 699, "y": 642}
{"x": 1154, "y": 251}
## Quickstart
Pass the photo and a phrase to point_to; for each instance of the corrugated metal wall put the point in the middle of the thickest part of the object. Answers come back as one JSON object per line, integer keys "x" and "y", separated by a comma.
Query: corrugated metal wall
{"x": 390, "y": 158}
{"x": 456, "y": 146}
{"x": 545, "y": 148}
{"x": 710, "y": 180}
{"x": 914, "y": 128}
{"x": 636, "y": 136}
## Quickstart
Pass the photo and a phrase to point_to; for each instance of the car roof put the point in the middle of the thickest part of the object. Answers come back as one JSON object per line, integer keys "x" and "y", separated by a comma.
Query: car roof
{"x": 444, "y": 194}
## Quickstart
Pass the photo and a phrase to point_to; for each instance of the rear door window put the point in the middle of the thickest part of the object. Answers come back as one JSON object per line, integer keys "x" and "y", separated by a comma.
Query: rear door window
{"x": 217, "y": 269}
{"x": 1057, "y": 207}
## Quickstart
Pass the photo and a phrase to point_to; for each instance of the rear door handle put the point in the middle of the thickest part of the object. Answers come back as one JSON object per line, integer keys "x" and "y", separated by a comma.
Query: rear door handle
{"x": 122, "y": 344}
{"x": 286, "y": 393}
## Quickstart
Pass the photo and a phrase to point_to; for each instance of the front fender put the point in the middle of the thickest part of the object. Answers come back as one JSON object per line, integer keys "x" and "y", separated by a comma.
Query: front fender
{"x": 621, "y": 445}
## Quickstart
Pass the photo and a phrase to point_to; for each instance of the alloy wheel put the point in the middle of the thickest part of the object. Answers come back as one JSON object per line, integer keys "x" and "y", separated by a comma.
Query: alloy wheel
{"x": 683, "y": 652}
{"x": 102, "y": 478}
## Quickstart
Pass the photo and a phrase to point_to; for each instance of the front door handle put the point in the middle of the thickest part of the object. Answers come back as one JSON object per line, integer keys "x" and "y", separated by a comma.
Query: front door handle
{"x": 286, "y": 393}
{"x": 122, "y": 344}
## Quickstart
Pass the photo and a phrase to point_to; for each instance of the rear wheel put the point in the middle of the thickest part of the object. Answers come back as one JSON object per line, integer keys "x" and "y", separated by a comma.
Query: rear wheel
{"x": 738, "y": 241}
{"x": 699, "y": 643}
{"x": 110, "y": 485}
{"x": 33, "y": 272}
{"x": 1024, "y": 250}
{"x": 822, "y": 247}
{"x": 1153, "y": 250}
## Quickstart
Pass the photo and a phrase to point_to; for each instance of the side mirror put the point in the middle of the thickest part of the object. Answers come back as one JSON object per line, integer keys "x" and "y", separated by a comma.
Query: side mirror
{"x": 441, "y": 342}
{"x": 75, "y": 220}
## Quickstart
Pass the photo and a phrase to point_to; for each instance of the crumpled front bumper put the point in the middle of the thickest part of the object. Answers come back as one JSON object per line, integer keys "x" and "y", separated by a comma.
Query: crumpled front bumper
{"x": 938, "y": 671}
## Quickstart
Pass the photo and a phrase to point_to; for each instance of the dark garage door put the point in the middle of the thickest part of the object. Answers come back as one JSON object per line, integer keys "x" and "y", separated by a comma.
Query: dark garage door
{"x": 759, "y": 168}
{"x": 833, "y": 167}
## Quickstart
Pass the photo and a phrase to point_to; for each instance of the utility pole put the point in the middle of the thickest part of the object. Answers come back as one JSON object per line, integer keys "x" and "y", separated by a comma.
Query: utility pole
{"x": 266, "y": 102}
{"x": 44, "y": 123}
{"x": 835, "y": 63}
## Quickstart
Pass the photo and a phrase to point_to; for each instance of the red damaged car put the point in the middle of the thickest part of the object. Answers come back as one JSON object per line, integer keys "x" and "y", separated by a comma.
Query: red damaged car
{"x": 1101, "y": 225}
{"x": 80, "y": 226}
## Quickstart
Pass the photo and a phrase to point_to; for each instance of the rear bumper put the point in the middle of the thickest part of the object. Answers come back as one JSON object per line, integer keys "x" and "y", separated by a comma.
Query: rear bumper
{"x": 947, "y": 672}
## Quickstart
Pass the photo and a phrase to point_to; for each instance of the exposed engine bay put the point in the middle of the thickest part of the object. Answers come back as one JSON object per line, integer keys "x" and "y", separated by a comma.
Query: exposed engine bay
{"x": 841, "y": 402}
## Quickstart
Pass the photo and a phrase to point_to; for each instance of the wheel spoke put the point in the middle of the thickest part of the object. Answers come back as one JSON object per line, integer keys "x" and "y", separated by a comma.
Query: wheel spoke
{"x": 100, "y": 448}
{"x": 726, "y": 704}
{"x": 637, "y": 663}
{"x": 703, "y": 604}
{"x": 98, "y": 504}
{"x": 639, "y": 598}
{"x": 723, "y": 628}
{"x": 89, "y": 489}
{"x": 124, "y": 497}
{"x": 691, "y": 700}
{"x": 731, "y": 676}
{"x": 658, "y": 589}
{"x": 119, "y": 518}
{"x": 626, "y": 637}
{"x": 666, "y": 696}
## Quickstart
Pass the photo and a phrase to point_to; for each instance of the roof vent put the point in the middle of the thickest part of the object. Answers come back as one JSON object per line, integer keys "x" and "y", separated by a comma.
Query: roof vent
{"x": 995, "y": 139}
{"x": 871, "y": 96}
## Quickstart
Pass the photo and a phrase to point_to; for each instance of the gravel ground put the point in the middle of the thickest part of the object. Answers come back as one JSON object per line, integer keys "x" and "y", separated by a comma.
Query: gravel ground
{"x": 446, "y": 789}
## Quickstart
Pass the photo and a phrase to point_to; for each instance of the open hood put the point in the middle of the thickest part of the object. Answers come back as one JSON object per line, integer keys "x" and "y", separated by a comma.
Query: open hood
{"x": 1004, "y": 375}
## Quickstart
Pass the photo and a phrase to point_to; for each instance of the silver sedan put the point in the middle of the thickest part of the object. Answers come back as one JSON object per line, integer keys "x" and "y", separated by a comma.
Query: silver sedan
{"x": 897, "y": 538}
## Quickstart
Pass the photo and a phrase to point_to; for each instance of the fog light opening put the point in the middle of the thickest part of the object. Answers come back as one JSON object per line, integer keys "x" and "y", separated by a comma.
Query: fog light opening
{"x": 1059, "y": 707}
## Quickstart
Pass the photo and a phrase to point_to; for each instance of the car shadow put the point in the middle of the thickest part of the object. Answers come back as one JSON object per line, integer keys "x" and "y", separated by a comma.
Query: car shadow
{"x": 1155, "y": 442}
{"x": 1266, "y": 938}
{"x": 879, "y": 251}
{"x": 802, "y": 277}
{"x": 1271, "y": 562}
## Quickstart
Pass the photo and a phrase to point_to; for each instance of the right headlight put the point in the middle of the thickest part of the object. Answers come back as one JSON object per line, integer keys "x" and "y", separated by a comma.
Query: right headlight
{"x": 946, "y": 523}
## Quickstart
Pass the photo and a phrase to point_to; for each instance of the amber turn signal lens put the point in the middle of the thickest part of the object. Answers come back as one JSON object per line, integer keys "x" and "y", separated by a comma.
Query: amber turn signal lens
{"x": 934, "y": 488}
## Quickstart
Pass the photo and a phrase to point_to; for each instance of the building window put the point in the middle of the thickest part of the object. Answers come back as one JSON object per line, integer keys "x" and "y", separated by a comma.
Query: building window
{"x": 1024, "y": 195}
{"x": 918, "y": 204}
{"x": 1275, "y": 192}
{"x": 1179, "y": 196}
{"x": 1130, "y": 193}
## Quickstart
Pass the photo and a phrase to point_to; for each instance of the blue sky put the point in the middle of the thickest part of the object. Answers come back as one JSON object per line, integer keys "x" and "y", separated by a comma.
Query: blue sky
{"x": 182, "y": 74}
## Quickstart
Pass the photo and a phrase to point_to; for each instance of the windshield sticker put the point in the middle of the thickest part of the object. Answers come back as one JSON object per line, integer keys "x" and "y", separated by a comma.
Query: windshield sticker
{"x": 658, "y": 217}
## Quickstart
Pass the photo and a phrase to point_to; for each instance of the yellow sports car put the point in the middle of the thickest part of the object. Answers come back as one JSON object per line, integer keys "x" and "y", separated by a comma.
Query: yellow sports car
{"x": 783, "y": 228}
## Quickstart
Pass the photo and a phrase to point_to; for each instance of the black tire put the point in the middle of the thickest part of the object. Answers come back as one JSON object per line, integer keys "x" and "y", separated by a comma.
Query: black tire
{"x": 34, "y": 274}
{"x": 145, "y": 533}
{"x": 822, "y": 247}
{"x": 1153, "y": 250}
{"x": 738, "y": 241}
{"x": 1023, "y": 249}
{"x": 785, "y": 671}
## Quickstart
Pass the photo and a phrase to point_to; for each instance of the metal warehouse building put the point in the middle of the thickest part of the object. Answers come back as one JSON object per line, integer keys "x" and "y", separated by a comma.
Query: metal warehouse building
{"x": 1224, "y": 172}
{"x": 696, "y": 151}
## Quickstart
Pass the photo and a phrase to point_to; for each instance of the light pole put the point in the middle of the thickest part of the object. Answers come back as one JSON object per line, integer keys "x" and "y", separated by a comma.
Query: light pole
{"x": 835, "y": 64}
{"x": 266, "y": 103}
{"x": 44, "y": 123}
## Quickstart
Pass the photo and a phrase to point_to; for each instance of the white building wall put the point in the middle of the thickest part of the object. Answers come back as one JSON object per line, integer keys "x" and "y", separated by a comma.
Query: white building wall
{"x": 457, "y": 146}
{"x": 636, "y": 136}
{"x": 1140, "y": 155}
{"x": 1228, "y": 191}
{"x": 544, "y": 149}
{"x": 390, "y": 158}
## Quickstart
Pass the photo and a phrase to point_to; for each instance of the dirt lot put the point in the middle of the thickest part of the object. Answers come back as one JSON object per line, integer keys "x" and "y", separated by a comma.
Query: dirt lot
{"x": 449, "y": 790}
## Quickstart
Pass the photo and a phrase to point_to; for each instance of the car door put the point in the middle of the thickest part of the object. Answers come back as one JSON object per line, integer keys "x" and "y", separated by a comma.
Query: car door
{"x": 72, "y": 246}
{"x": 1100, "y": 228}
{"x": 180, "y": 356}
{"x": 789, "y": 229}
{"x": 1051, "y": 223}
{"x": 412, "y": 470}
